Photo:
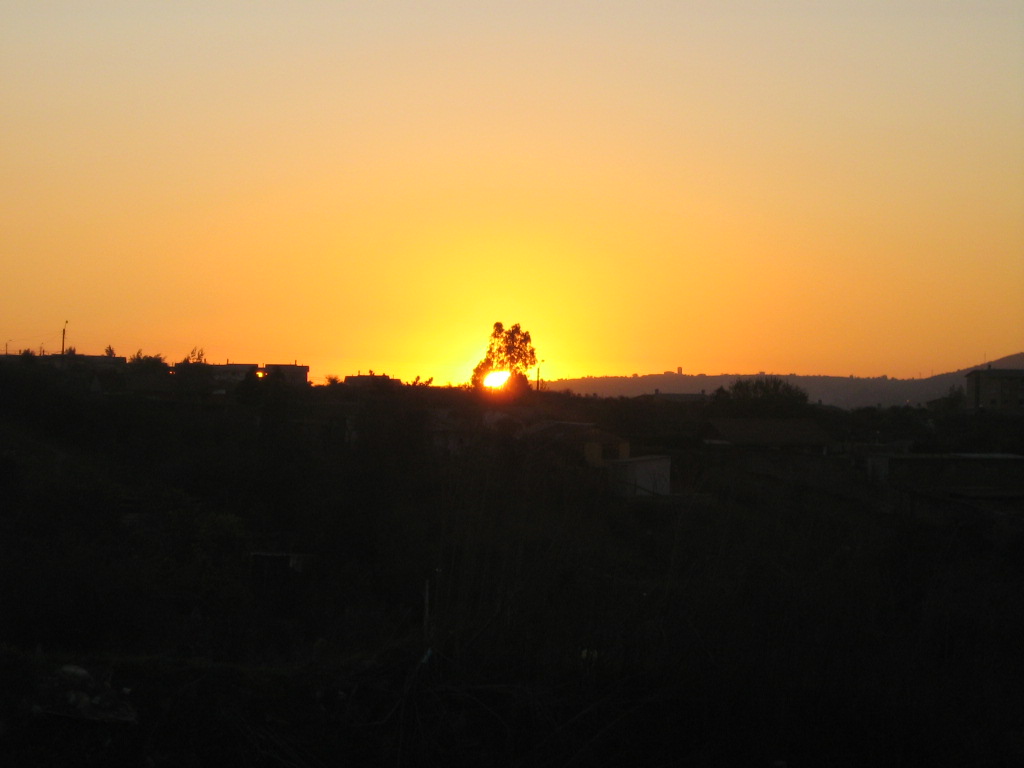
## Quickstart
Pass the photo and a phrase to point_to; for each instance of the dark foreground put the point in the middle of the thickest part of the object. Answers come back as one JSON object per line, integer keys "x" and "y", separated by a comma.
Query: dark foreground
{"x": 316, "y": 579}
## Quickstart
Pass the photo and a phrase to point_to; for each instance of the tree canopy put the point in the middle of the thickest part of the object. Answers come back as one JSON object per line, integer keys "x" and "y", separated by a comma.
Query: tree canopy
{"x": 762, "y": 395}
{"x": 147, "y": 364}
{"x": 509, "y": 349}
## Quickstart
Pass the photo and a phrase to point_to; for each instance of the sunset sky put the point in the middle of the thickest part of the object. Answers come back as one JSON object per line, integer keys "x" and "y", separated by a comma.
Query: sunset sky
{"x": 811, "y": 187}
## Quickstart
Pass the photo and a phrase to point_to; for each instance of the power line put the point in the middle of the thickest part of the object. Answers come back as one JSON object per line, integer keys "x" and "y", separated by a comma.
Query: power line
{"x": 37, "y": 336}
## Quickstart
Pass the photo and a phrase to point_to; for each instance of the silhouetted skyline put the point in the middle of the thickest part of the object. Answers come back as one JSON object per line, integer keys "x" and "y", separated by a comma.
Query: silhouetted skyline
{"x": 823, "y": 188}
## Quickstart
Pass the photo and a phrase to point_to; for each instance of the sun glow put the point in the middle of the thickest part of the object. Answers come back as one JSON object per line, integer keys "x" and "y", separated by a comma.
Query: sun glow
{"x": 496, "y": 379}
{"x": 521, "y": 205}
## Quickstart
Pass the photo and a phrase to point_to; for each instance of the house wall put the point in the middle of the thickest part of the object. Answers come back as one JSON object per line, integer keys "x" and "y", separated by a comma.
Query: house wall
{"x": 641, "y": 476}
{"x": 597, "y": 453}
{"x": 232, "y": 373}
{"x": 949, "y": 471}
{"x": 294, "y": 375}
{"x": 996, "y": 390}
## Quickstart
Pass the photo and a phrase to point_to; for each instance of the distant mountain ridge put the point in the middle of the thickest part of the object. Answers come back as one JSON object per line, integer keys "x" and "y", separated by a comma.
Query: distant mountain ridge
{"x": 844, "y": 392}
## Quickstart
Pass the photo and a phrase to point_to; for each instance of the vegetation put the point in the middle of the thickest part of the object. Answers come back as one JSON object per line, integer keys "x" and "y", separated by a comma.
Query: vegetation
{"x": 762, "y": 395}
{"x": 509, "y": 349}
{"x": 146, "y": 360}
{"x": 196, "y": 356}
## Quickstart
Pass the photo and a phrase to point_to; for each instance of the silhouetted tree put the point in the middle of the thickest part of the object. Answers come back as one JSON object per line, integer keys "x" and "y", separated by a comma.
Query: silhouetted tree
{"x": 193, "y": 376}
{"x": 146, "y": 365}
{"x": 762, "y": 395}
{"x": 138, "y": 357}
{"x": 955, "y": 400}
{"x": 509, "y": 350}
{"x": 251, "y": 390}
{"x": 109, "y": 351}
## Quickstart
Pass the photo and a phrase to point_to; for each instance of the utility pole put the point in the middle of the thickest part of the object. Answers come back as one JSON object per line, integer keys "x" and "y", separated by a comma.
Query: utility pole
{"x": 63, "y": 333}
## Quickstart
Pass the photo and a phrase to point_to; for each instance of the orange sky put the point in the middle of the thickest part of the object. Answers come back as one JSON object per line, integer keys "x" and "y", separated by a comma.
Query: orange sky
{"x": 818, "y": 188}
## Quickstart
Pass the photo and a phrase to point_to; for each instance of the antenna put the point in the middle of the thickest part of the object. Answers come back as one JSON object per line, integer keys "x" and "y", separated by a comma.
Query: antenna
{"x": 63, "y": 333}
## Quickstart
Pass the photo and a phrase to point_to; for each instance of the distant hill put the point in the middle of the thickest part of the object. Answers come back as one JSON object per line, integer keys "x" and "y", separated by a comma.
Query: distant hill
{"x": 844, "y": 392}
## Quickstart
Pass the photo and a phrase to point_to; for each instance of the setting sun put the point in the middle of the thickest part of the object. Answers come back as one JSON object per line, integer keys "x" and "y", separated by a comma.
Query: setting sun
{"x": 496, "y": 379}
{"x": 717, "y": 187}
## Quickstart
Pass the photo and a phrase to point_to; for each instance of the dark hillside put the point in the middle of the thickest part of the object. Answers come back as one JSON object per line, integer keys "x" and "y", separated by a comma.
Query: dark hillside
{"x": 839, "y": 391}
